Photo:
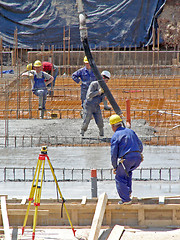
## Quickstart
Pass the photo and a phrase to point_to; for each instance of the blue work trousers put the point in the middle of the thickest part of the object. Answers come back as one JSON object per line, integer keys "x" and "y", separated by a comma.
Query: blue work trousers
{"x": 42, "y": 94}
{"x": 123, "y": 182}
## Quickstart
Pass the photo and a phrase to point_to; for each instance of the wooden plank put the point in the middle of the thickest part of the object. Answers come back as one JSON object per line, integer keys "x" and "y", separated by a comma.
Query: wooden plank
{"x": 141, "y": 217}
{"x": 116, "y": 232}
{"x": 5, "y": 218}
{"x": 161, "y": 199}
{"x": 23, "y": 202}
{"x": 16, "y": 212}
{"x": 98, "y": 217}
{"x": 108, "y": 217}
{"x": 84, "y": 199}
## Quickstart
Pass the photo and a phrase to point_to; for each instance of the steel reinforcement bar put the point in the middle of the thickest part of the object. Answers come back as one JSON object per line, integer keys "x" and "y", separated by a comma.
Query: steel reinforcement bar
{"x": 24, "y": 174}
{"x": 57, "y": 141}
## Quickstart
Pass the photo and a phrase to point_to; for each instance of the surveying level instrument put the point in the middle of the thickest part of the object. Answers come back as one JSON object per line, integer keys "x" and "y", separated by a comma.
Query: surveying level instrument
{"x": 35, "y": 192}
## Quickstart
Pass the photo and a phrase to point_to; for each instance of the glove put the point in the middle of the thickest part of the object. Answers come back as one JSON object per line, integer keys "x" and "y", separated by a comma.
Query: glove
{"x": 142, "y": 157}
{"x": 101, "y": 91}
{"x": 106, "y": 107}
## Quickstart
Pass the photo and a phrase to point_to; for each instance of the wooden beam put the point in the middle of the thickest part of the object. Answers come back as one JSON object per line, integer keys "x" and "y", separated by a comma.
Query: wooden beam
{"x": 23, "y": 202}
{"x": 98, "y": 217}
{"x": 116, "y": 233}
{"x": 161, "y": 199}
{"x": 84, "y": 199}
{"x": 5, "y": 218}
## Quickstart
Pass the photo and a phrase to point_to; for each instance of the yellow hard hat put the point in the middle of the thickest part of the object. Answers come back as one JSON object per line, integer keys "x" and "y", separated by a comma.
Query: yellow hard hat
{"x": 29, "y": 67}
{"x": 37, "y": 63}
{"x": 86, "y": 60}
{"x": 114, "y": 119}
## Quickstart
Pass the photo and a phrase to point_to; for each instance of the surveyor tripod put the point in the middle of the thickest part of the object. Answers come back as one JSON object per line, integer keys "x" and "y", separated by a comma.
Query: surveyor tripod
{"x": 35, "y": 192}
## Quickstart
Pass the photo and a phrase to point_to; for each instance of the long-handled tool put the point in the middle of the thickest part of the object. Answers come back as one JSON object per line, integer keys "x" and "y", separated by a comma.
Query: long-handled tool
{"x": 36, "y": 191}
{"x": 122, "y": 163}
{"x": 84, "y": 40}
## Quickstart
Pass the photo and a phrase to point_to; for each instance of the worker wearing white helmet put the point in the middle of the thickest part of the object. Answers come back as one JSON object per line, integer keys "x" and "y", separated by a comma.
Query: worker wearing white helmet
{"x": 85, "y": 76}
{"x": 95, "y": 95}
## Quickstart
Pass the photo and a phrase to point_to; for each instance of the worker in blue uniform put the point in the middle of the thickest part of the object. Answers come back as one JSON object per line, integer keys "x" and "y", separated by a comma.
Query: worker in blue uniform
{"x": 126, "y": 156}
{"x": 39, "y": 85}
{"x": 95, "y": 95}
{"x": 85, "y": 75}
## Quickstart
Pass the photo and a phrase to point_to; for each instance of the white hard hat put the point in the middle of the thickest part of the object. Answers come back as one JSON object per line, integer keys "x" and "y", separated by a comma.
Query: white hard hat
{"x": 106, "y": 74}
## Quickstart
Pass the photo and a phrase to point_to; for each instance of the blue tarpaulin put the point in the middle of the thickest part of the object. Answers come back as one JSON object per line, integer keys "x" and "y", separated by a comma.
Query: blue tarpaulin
{"x": 115, "y": 23}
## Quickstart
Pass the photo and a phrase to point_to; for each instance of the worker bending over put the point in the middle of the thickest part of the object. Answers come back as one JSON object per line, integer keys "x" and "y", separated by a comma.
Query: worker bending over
{"x": 85, "y": 75}
{"x": 126, "y": 156}
{"x": 95, "y": 95}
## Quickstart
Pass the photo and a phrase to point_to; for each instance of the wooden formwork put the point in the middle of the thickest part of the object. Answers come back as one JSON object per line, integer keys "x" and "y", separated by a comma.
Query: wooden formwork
{"x": 146, "y": 213}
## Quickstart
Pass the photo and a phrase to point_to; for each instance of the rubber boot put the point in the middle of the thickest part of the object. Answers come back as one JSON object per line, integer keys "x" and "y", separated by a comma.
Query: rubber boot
{"x": 101, "y": 132}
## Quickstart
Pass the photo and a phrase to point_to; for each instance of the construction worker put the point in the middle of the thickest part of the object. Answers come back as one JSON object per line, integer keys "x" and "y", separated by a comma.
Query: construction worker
{"x": 86, "y": 76}
{"x": 95, "y": 95}
{"x": 126, "y": 156}
{"x": 39, "y": 85}
{"x": 50, "y": 69}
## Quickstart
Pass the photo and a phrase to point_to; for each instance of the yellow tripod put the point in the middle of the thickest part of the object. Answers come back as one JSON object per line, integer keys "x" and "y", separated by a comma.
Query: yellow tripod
{"x": 36, "y": 190}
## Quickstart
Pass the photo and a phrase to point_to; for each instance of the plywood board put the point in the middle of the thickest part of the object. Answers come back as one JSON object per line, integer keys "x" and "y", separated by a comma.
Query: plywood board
{"x": 98, "y": 217}
{"x": 116, "y": 233}
{"x": 5, "y": 218}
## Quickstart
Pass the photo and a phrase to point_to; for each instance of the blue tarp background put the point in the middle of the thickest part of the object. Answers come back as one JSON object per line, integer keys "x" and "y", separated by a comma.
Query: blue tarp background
{"x": 115, "y": 23}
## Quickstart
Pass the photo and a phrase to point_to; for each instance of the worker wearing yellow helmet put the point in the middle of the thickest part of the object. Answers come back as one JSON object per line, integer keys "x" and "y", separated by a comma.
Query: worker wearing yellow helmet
{"x": 84, "y": 76}
{"x": 39, "y": 85}
{"x": 51, "y": 69}
{"x": 126, "y": 156}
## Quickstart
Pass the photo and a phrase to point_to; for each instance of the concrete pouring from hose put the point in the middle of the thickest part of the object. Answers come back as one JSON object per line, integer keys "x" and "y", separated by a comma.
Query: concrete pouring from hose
{"x": 84, "y": 40}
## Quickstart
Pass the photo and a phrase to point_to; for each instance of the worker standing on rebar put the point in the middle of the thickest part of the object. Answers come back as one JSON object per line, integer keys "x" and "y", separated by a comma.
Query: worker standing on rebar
{"x": 85, "y": 75}
{"x": 39, "y": 85}
{"x": 95, "y": 95}
{"x": 126, "y": 156}
{"x": 50, "y": 69}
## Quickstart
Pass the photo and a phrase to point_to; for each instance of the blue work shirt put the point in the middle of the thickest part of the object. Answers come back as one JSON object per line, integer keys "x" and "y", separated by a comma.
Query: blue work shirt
{"x": 123, "y": 142}
{"x": 86, "y": 76}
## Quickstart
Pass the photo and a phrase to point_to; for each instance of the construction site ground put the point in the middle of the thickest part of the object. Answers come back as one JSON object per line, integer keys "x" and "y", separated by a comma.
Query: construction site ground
{"x": 154, "y": 102}
{"x": 83, "y": 233}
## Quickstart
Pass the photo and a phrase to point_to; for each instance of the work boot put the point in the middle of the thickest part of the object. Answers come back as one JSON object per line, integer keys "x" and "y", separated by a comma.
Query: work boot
{"x": 42, "y": 114}
{"x": 101, "y": 132}
{"x": 82, "y": 132}
{"x": 81, "y": 114}
{"x": 124, "y": 203}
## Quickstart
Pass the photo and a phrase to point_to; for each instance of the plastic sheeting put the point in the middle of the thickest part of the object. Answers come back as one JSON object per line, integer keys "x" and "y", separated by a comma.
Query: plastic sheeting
{"x": 115, "y": 23}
